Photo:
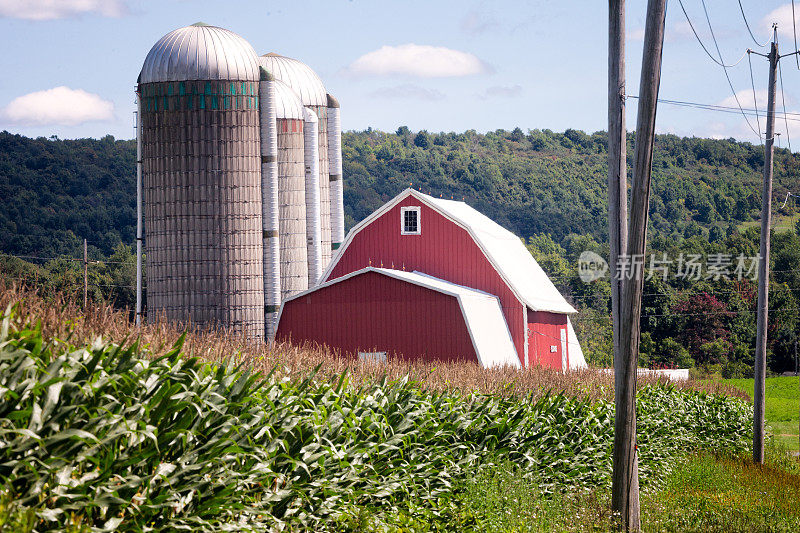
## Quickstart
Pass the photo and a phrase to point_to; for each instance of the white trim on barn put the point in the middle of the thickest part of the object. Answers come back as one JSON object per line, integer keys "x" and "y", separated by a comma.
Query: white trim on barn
{"x": 576, "y": 357}
{"x": 417, "y": 230}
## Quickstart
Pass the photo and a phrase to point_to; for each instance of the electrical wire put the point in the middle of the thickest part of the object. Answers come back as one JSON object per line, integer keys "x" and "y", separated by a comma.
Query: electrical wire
{"x": 794, "y": 31}
{"x": 724, "y": 67}
{"x": 748, "y": 26}
{"x": 64, "y": 258}
{"x": 755, "y": 101}
{"x": 721, "y": 108}
{"x": 783, "y": 99}
{"x": 675, "y": 315}
{"x": 719, "y": 62}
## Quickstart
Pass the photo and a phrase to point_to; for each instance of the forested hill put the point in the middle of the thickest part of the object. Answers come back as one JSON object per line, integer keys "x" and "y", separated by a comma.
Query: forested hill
{"x": 546, "y": 182}
{"x": 57, "y": 192}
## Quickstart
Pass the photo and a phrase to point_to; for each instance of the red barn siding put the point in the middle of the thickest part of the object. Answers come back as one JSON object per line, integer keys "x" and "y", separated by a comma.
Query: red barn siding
{"x": 443, "y": 249}
{"x": 544, "y": 331}
{"x": 373, "y": 312}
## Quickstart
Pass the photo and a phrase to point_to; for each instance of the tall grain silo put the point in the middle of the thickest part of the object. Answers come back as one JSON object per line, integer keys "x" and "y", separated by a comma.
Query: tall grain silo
{"x": 313, "y": 95}
{"x": 201, "y": 177}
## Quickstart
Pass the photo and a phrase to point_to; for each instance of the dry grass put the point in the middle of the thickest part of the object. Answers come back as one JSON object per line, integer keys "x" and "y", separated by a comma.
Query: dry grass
{"x": 62, "y": 317}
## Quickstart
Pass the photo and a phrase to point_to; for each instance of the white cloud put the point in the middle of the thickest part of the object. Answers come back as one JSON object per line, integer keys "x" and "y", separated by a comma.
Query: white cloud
{"x": 59, "y": 9}
{"x": 58, "y": 106}
{"x": 421, "y": 61}
{"x": 499, "y": 91}
{"x": 745, "y": 97}
{"x": 408, "y": 91}
{"x": 783, "y": 16}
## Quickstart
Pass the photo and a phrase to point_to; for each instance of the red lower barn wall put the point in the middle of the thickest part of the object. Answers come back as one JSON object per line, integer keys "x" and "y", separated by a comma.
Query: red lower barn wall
{"x": 373, "y": 312}
{"x": 544, "y": 331}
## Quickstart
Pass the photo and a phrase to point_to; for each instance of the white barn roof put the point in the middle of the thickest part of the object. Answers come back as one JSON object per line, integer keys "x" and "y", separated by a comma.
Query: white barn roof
{"x": 504, "y": 250}
{"x": 481, "y": 311}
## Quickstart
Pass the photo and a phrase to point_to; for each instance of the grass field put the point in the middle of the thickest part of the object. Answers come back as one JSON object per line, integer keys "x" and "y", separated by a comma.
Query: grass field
{"x": 780, "y": 223}
{"x": 782, "y": 411}
{"x": 703, "y": 493}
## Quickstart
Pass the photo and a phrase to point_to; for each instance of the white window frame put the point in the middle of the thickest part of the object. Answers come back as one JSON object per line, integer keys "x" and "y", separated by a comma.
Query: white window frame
{"x": 403, "y": 211}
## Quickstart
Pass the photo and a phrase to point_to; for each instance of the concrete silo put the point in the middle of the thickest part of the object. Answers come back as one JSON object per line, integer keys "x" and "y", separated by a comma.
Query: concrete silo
{"x": 311, "y": 91}
{"x": 201, "y": 180}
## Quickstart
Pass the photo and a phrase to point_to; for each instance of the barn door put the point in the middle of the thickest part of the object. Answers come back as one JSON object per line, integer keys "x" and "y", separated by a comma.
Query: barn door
{"x": 564, "y": 366}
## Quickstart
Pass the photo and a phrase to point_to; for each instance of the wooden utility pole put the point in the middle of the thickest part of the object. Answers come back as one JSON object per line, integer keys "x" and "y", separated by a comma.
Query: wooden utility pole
{"x": 617, "y": 205}
{"x": 617, "y": 159}
{"x": 85, "y": 275}
{"x": 763, "y": 264}
{"x": 625, "y": 482}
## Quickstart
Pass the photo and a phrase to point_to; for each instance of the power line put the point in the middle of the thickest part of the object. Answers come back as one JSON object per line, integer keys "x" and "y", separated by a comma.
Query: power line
{"x": 699, "y": 40}
{"x": 74, "y": 283}
{"x": 721, "y": 108}
{"x": 66, "y": 258}
{"x": 794, "y": 30}
{"x": 755, "y": 101}
{"x": 725, "y": 68}
{"x": 678, "y": 294}
{"x": 677, "y": 315}
{"x": 748, "y": 26}
{"x": 568, "y": 277}
{"x": 783, "y": 99}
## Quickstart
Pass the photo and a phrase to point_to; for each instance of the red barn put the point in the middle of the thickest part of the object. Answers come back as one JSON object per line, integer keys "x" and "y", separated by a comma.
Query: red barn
{"x": 392, "y": 288}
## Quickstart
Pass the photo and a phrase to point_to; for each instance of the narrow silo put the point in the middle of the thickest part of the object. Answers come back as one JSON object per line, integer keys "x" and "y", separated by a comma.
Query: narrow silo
{"x": 311, "y": 153}
{"x": 311, "y": 91}
{"x": 335, "y": 173}
{"x": 201, "y": 173}
{"x": 291, "y": 191}
{"x": 284, "y": 195}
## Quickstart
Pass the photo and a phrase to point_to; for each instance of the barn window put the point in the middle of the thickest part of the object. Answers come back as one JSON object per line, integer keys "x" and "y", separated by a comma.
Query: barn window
{"x": 372, "y": 357}
{"x": 410, "y": 223}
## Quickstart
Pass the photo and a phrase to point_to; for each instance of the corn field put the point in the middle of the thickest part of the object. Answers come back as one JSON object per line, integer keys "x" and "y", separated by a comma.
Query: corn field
{"x": 122, "y": 434}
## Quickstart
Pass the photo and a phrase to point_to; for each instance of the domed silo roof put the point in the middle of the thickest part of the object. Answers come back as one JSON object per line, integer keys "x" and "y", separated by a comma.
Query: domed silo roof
{"x": 200, "y": 52}
{"x": 298, "y": 76}
{"x": 287, "y": 103}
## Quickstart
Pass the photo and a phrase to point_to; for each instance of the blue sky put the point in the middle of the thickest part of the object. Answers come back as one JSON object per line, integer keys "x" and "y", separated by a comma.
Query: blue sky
{"x": 70, "y": 66}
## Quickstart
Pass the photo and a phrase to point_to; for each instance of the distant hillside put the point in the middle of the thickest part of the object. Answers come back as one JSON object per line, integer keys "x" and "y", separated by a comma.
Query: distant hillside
{"x": 546, "y": 182}
{"x": 57, "y": 192}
